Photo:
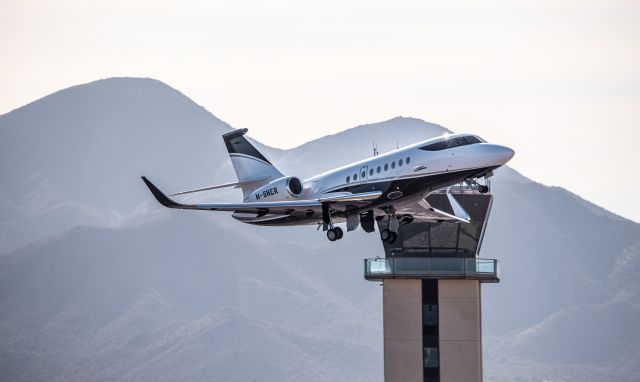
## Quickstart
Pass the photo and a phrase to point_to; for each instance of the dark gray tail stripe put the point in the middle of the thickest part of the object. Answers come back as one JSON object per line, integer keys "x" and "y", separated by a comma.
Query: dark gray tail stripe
{"x": 237, "y": 144}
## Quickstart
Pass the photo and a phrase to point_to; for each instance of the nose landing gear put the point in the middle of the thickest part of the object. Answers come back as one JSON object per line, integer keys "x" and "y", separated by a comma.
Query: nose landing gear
{"x": 483, "y": 189}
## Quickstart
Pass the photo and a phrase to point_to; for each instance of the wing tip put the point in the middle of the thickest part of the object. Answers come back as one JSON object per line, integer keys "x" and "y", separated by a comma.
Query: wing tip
{"x": 160, "y": 197}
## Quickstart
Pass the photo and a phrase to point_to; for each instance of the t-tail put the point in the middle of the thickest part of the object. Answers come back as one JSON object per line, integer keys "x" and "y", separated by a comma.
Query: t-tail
{"x": 252, "y": 168}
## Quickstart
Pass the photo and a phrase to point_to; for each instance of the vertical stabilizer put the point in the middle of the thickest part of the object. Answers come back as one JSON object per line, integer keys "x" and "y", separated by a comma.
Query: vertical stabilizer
{"x": 252, "y": 168}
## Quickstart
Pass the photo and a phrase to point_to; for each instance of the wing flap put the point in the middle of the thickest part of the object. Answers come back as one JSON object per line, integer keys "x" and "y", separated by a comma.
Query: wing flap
{"x": 349, "y": 197}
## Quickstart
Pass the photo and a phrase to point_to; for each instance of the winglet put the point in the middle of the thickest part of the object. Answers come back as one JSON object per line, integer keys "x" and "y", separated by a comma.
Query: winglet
{"x": 458, "y": 210}
{"x": 160, "y": 197}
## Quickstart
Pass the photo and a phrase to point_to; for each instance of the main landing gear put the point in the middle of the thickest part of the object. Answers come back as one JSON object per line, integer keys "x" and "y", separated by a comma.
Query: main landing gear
{"x": 391, "y": 233}
{"x": 334, "y": 233}
{"x": 388, "y": 236}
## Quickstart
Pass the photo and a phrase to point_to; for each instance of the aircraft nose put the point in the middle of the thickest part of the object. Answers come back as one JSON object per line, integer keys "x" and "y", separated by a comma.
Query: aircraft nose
{"x": 504, "y": 153}
{"x": 498, "y": 155}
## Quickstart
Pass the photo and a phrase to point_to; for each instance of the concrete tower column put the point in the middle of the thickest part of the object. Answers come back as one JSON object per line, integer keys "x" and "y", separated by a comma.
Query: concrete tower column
{"x": 460, "y": 330}
{"x": 402, "y": 315}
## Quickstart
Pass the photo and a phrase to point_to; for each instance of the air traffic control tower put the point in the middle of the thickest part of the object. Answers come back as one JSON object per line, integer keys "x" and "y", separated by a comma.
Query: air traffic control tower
{"x": 431, "y": 279}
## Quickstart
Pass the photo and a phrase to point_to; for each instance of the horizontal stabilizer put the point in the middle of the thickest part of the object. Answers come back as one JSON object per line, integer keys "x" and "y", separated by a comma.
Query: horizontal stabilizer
{"x": 234, "y": 184}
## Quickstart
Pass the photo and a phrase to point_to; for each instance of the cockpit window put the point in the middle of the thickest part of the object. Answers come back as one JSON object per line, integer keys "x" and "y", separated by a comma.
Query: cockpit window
{"x": 471, "y": 139}
{"x": 451, "y": 143}
{"x": 435, "y": 146}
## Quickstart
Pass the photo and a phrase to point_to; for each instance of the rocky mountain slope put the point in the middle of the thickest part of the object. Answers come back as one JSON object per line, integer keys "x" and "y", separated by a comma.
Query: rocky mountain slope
{"x": 99, "y": 282}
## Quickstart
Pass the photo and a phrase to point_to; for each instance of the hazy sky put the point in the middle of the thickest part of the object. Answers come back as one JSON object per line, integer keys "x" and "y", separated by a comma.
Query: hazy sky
{"x": 558, "y": 81}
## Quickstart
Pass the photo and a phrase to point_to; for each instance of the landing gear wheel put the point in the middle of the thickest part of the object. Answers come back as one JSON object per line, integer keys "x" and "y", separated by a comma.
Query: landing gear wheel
{"x": 388, "y": 236}
{"x": 483, "y": 189}
{"x": 392, "y": 238}
{"x": 334, "y": 234}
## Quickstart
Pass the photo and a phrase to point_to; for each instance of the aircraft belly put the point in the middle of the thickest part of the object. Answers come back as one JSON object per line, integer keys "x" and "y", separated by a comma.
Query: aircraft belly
{"x": 398, "y": 189}
{"x": 398, "y": 192}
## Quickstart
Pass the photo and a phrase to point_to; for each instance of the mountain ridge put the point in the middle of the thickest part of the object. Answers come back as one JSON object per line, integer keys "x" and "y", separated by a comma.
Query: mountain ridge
{"x": 142, "y": 276}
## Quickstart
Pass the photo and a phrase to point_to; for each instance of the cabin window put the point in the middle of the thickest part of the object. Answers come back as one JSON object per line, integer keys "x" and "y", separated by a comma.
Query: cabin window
{"x": 348, "y": 178}
{"x": 363, "y": 174}
{"x": 400, "y": 163}
{"x": 408, "y": 160}
{"x": 355, "y": 177}
{"x": 378, "y": 170}
{"x": 393, "y": 164}
{"x": 370, "y": 172}
{"x": 386, "y": 166}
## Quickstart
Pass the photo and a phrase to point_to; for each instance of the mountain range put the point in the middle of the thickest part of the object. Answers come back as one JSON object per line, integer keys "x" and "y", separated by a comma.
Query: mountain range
{"x": 99, "y": 282}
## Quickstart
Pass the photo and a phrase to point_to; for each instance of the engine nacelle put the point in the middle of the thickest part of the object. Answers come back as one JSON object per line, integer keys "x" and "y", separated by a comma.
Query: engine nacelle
{"x": 285, "y": 188}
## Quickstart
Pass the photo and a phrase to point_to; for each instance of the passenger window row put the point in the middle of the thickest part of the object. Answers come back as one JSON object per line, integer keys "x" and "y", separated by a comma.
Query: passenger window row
{"x": 378, "y": 169}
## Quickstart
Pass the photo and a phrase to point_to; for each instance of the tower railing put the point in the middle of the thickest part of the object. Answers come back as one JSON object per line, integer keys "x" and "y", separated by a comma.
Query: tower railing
{"x": 485, "y": 270}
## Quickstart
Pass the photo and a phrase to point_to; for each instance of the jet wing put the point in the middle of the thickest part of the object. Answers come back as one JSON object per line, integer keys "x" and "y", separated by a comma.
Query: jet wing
{"x": 284, "y": 207}
{"x": 425, "y": 212}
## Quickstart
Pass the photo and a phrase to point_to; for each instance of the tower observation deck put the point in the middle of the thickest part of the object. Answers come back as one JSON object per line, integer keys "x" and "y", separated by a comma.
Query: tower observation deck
{"x": 431, "y": 277}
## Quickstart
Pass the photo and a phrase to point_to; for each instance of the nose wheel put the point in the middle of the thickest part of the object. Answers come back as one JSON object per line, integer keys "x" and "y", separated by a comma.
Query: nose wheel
{"x": 334, "y": 233}
{"x": 483, "y": 189}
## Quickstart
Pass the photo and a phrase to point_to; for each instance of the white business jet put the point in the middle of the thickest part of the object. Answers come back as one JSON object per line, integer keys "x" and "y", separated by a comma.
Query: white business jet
{"x": 359, "y": 193}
